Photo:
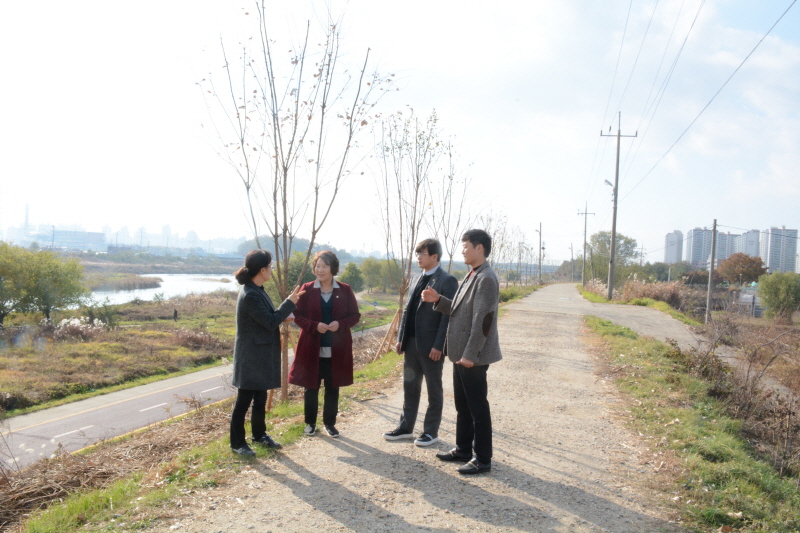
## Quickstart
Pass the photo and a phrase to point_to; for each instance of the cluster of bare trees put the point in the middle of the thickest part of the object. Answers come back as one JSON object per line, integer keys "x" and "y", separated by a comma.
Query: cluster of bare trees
{"x": 288, "y": 124}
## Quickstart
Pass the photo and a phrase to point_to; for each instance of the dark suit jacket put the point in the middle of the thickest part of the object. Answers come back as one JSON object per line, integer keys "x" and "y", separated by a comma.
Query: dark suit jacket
{"x": 430, "y": 327}
{"x": 257, "y": 349}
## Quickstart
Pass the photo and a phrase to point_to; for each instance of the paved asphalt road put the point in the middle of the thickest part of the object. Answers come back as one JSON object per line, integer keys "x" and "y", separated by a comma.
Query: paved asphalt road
{"x": 565, "y": 299}
{"x": 30, "y": 437}
{"x": 76, "y": 425}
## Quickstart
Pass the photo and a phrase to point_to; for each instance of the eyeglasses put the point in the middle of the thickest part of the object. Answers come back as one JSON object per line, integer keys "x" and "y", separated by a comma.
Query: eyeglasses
{"x": 420, "y": 254}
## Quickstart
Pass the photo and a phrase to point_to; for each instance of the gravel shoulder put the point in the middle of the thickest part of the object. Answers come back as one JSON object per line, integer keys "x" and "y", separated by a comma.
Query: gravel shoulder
{"x": 563, "y": 460}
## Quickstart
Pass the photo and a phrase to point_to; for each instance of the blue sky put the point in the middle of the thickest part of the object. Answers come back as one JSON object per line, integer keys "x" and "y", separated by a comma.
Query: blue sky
{"x": 100, "y": 117}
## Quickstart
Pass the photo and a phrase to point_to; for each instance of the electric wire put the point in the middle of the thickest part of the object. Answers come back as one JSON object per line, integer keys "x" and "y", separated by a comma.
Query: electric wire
{"x": 593, "y": 170}
{"x": 636, "y": 60}
{"x": 710, "y": 101}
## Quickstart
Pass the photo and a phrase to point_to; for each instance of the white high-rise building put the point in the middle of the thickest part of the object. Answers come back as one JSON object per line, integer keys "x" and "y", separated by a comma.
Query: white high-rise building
{"x": 747, "y": 243}
{"x": 673, "y": 247}
{"x": 698, "y": 246}
{"x": 778, "y": 249}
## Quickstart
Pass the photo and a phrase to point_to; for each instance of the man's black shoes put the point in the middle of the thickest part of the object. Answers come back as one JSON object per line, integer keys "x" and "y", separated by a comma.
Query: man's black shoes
{"x": 454, "y": 455}
{"x": 397, "y": 434}
{"x": 474, "y": 467}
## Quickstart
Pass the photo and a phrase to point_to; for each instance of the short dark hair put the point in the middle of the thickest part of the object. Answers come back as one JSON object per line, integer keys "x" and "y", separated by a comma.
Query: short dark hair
{"x": 253, "y": 263}
{"x": 329, "y": 258}
{"x": 432, "y": 246}
{"x": 476, "y": 237}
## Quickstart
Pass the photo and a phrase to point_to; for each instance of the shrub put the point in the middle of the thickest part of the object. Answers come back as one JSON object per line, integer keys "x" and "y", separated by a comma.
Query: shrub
{"x": 81, "y": 328}
{"x": 195, "y": 339}
{"x": 674, "y": 293}
{"x": 781, "y": 294}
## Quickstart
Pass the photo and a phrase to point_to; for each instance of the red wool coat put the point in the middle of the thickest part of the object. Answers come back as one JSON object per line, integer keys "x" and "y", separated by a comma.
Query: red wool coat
{"x": 305, "y": 368}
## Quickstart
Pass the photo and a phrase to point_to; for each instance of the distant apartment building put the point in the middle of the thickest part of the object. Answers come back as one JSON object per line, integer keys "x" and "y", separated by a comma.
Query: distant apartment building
{"x": 726, "y": 243}
{"x": 698, "y": 247}
{"x": 778, "y": 249}
{"x": 673, "y": 247}
{"x": 747, "y": 243}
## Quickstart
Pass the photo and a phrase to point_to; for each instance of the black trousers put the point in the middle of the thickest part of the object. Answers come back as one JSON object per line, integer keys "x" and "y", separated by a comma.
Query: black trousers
{"x": 330, "y": 407}
{"x": 257, "y": 416}
{"x": 416, "y": 366}
{"x": 473, "y": 418}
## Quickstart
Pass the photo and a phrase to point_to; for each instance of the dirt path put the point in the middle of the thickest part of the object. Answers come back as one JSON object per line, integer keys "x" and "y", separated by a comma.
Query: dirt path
{"x": 563, "y": 462}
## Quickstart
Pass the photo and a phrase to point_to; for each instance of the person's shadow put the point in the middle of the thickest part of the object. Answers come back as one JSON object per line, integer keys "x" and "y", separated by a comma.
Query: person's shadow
{"x": 531, "y": 508}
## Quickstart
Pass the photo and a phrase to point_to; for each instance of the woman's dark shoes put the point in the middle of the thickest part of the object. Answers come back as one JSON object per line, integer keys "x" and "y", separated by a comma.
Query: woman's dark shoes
{"x": 474, "y": 467}
{"x": 454, "y": 455}
{"x": 267, "y": 441}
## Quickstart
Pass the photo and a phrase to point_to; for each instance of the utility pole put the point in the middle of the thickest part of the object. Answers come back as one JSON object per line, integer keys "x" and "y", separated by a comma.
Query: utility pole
{"x": 585, "y": 219}
{"x": 571, "y": 265}
{"x": 614, "y": 219}
{"x": 711, "y": 271}
{"x": 641, "y": 256}
{"x": 540, "y": 252}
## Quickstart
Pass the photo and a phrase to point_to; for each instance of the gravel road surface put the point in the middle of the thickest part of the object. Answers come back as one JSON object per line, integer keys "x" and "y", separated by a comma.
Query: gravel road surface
{"x": 563, "y": 460}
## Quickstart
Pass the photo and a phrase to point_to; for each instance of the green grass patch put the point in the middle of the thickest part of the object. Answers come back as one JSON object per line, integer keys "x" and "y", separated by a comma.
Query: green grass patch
{"x": 378, "y": 369}
{"x": 721, "y": 473}
{"x": 511, "y": 293}
{"x": 592, "y": 297}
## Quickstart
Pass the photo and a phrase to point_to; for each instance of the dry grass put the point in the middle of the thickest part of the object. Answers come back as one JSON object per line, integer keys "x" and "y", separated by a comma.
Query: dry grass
{"x": 54, "y": 479}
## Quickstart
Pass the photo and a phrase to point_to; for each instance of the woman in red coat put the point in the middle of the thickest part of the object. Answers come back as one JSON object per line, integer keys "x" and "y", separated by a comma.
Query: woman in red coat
{"x": 325, "y": 314}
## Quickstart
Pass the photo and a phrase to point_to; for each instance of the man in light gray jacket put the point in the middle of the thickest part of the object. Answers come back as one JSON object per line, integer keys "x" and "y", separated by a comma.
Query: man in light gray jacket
{"x": 472, "y": 344}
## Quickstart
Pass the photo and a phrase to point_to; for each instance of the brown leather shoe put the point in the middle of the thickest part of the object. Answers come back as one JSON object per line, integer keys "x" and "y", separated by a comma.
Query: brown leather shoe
{"x": 454, "y": 455}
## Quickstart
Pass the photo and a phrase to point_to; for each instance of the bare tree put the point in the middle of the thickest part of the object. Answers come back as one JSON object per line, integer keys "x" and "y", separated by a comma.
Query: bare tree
{"x": 496, "y": 226}
{"x": 449, "y": 217}
{"x": 408, "y": 151}
{"x": 289, "y": 127}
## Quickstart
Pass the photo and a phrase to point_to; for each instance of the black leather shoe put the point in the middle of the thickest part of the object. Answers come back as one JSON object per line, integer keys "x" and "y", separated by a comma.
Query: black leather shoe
{"x": 267, "y": 441}
{"x": 454, "y": 455}
{"x": 474, "y": 467}
{"x": 244, "y": 451}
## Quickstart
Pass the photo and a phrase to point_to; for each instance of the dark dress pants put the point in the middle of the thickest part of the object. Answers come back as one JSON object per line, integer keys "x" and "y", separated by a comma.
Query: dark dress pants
{"x": 473, "y": 418}
{"x": 257, "y": 416}
{"x": 330, "y": 408}
{"x": 416, "y": 366}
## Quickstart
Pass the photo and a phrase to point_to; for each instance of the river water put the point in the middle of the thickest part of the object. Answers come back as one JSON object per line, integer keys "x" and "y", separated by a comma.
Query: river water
{"x": 173, "y": 285}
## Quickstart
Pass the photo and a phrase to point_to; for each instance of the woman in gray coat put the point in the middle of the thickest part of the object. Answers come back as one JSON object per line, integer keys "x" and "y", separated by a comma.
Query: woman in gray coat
{"x": 257, "y": 349}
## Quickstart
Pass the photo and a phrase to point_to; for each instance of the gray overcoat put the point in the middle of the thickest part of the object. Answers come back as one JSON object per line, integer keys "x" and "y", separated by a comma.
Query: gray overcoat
{"x": 472, "y": 331}
{"x": 257, "y": 349}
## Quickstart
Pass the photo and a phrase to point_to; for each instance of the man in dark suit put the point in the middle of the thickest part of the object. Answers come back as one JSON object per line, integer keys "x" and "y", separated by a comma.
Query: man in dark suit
{"x": 421, "y": 340}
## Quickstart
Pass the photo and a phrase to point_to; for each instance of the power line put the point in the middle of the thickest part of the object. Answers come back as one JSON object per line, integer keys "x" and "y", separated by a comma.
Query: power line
{"x": 712, "y": 99}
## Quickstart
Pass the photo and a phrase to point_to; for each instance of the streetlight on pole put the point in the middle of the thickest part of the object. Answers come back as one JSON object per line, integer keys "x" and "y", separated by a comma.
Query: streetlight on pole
{"x": 614, "y": 219}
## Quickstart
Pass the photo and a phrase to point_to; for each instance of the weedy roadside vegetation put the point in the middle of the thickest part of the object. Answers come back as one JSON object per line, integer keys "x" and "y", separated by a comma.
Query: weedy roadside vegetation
{"x": 81, "y": 355}
{"x": 729, "y": 445}
{"x": 137, "y": 481}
